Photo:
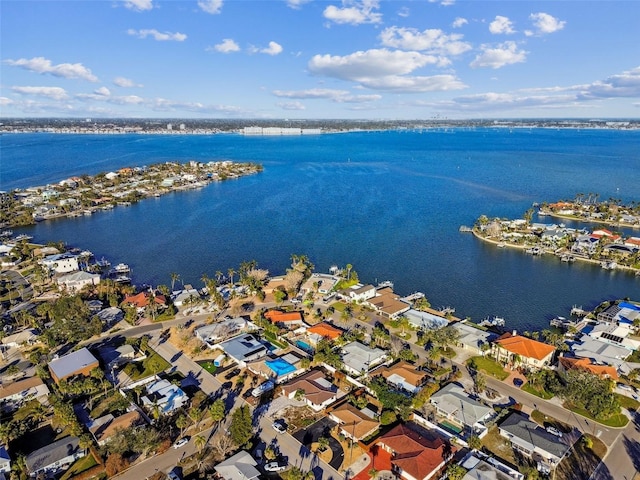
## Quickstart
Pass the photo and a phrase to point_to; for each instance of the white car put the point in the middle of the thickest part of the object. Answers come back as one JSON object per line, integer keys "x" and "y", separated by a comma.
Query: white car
{"x": 554, "y": 431}
{"x": 181, "y": 443}
{"x": 274, "y": 467}
{"x": 279, "y": 426}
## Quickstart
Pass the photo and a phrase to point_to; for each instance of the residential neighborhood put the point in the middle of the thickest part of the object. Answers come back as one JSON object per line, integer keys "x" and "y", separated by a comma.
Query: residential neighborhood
{"x": 297, "y": 376}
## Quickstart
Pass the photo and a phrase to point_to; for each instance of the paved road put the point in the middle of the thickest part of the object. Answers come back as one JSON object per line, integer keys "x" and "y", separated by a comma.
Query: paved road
{"x": 622, "y": 461}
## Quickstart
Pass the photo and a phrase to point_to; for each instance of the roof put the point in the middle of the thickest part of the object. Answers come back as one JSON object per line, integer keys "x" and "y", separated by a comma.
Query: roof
{"x": 354, "y": 422}
{"x": 141, "y": 300}
{"x": 325, "y": 330}
{"x": 524, "y": 346}
{"x": 78, "y": 276}
{"x": 454, "y": 400}
{"x": 71, "y": 363}
{"x": 471, "y": 336}
{"x": 588, "y": 365}
{"x": 425, "y": 320}
{"x": 417, "y": 451}
{"x": 388, "y": 302}
{"x": 243, "y": 346}
{"x": 10, "y": 389}
{"x": 317, "y": 389}
{"x": 277, "y": 316}
{"x": 49, "y": 454}
{"x": 103, "y": 430}
{"x": 521, "y": 427}
{"x": 359, "y": 357}
{"x": 240, "y": 466}
{"x": 405, "y": 371}
{"x": 480, "y": 470}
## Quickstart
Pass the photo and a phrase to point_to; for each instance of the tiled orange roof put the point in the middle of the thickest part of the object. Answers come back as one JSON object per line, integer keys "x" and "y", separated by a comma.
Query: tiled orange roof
{"x": 406, "y": 371}
{"x": 418, "y": 454}
{"x": 355, "y": 422}
{"x": 524, "y": 346}
{"x": 585, "y": 364}
{"x": 325, "y": 330}
{"x": 277, "y": 316}
{"x": 141, "y": 300}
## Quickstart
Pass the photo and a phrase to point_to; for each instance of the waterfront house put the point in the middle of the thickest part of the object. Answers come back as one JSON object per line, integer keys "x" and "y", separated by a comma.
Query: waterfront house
{"x": 55, "y": 457}
{"x": 416, "y": 453}
{"x": 76, "y": 281}
{"x": 604, "y": 353}
{"x": 529, "y": 439}
{"x": 215, "y": 332}
{"x": 586, "y": 365}
{"x": 240, "y": 466}
{"x": 61, "y": 263}
{"x": 320, "y": 282}
{"x": 80, "y": 362}
{"x": 474, "y": 339}
{"x": 288, "y": 320}
{"x": 403, "y": 375}
{"x": 453, "y": 403}
{"x": 358, "y": 293}
{"x": 387, "y": 303}
{"x": 110, "y": 316}
{"x": 14, "y": 394}
{"x": 185, "y": 296}
{"x": 322, "y": 330}
{"x": 142, "y": 299}
{"x": 425, "y": 320}
{"x": 518, "y": 350}
{"x": 354, "y": 423}
{"x": 314, "y": 387}
{"x": 243, "y": 348}
{"x": 164, "y": 395}
{"x": 359, "y": 359}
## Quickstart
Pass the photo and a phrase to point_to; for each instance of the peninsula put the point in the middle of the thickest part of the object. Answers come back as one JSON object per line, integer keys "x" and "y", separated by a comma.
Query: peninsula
{"x": 85, "y": 194}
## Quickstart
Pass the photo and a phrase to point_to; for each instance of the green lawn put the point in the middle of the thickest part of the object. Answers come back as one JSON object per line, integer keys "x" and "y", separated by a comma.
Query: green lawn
{"x": 152, "y": 365}
{"x": 81, "y": 465}
{"x": 489, "y": 366}
{"x": 628, "y": 402}
{"x": 208, "y": 366}
{"x": 538, "y": 393}
{"x": 617, "y": 420}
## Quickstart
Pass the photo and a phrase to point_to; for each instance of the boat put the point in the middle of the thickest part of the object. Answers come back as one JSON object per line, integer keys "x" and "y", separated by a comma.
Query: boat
{"x": 6, "y": 233}
{"x": 578, "y": 311}
{"x": 122, "y": 279}
{"x": 23, "y": 237}
{"x": 493, "y": 322}
{"x": 87, "y": 213}
{"x": 122, "y": 268}
{"x": 501, "y": 245}
{"x": 464, "y": 228}
{"x": 567, "y": 258}
{"x": 609, "y": 265}
{"x": 534, "y": 251}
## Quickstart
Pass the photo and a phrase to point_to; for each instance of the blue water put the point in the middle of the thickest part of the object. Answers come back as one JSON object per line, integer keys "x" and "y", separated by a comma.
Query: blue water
{"x": 390, "y": 203}
{"x": 304, "y": 346}
{"x": 280, "y": 367}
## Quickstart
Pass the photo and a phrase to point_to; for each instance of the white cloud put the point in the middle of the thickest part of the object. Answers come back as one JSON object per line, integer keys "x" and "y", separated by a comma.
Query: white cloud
{"x": 226, "y": 46}
{"x": 338, "y": 96}
{"x": 544, "y": 23}
{"x": 459, "y": 22}
{"x": 211, "y": 6}
{"x": 138, "y": 5}
{"x": 626, "y": 84}
{"x": 354, "y": 12}
{"x": 291, "y": 105}
{"x": 156, "y": 35}
{"x": 501, "y": 25}
{"x": 296, "y": 4}
{"x": 104, "y": 91}
{"x": 403, "y": 12}
{"x": 506, "y": 53}
{"x": 4, "y": 101}
{"x": 55, "y": 93}
{"x": 431, "y": 40}
{"x": 409, "y": 84}
{"x": 64, "y": 70}
{"x": 273, "y": 49}
{"x": 444, "y": 3}
{"x": 125, "y": 82}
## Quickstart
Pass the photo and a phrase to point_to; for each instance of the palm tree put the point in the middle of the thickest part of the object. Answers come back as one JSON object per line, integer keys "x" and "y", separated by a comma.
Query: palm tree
{"x": 200, "y": 441}
{"x": 230, "y": 273}
{"x": 174, "y": 277}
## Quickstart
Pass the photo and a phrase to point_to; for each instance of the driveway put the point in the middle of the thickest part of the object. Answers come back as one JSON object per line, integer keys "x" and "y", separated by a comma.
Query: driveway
{"x": 322, "y": 428}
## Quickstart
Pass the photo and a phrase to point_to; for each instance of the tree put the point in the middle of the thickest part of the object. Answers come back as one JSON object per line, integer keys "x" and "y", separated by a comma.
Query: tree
{"x": 241, "y": 428}
{"x": 182, "y": 422}
{"x": 270, "y": 453}
{"x": 174, "y": 277}
{"x": 217, "y": 410}
{"x": 475, "y": 442}
{"x": 199, "y": 442}
{"x": 455, "y": 472}
{"x": 480, "y": 382}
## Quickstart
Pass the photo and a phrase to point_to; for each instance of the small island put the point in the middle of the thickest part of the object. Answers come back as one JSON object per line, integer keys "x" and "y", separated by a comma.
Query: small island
{"x": 85, "y": 194}
{"x": 610, "y": 249}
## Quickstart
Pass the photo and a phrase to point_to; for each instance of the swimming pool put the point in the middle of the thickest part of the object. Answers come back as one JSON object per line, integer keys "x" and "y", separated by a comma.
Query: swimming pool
{"x": 280, "y": 367}
{"x": 304, "y": 346}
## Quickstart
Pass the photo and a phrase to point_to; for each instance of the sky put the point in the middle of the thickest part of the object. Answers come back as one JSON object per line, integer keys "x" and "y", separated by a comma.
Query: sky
{"x": 320, "y": 59}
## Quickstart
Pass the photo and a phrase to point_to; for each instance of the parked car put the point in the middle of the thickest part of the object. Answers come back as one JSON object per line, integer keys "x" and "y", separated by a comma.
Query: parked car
{"x": 181, "y": 443}
{"x": 518, "y": 382}
{"x": 274, "y": 467}
{"x": 554, "y": 431}
{"x": 233, "y": 373}
{"x": 280, "y": 426}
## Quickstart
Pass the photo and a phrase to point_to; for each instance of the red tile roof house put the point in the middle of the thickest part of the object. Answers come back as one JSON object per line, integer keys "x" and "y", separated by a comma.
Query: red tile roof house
{"x": 416, "y": 453}
{"x": 516, "y": 349}
{"x": 141, "y": 300}
{"x": 322, "y": 330}
{"x": 285, "y": 319}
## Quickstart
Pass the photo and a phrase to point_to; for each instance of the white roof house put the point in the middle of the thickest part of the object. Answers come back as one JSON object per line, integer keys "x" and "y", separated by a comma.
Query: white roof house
{"x": 61, "y": 263}
{"x": 240, "y": 466}
{"x": 359, "y": 358}
{"x": 224, "y": 329}
{"x": 425, "y": 320}
{"x": 165, "y": 395}
{"x": 76, "y": 281}
{"x": 244, "y": 348}
{"x": 454, "y": 403}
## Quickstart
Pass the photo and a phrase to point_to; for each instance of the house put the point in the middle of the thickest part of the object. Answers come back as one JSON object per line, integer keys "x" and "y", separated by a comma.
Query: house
{"x": 54, "y": 457}
{"x": 358, "y": 293}
{"x": 453, "y": 403}
{"x": 80, "y": 362}
{"x": 240, "y": 466}
{"x": 5, "y": 461}
{"x": 279, "y": 369}
{"x": 360, "y": 359}
{"x": 482, "y": 467}
{"x": 28, "y": 336}
{"x": 288, "y": 320}
{"x": 320, "y": 282}
{"x": 115, "y": 357}
{"x": 61, "y": 263}
{"x": 387, "y": 303}
{"x": 474, "y": 339}
{"x": 516, "y": 349}
{"x": 76, "y": 281}
{"x": 354, "y": 423}
{"x": 604, "y": 353}
{"x": 529, "y": 439}
{"x": 142, "y": 299}
{"x": 185, "y": 296}
{"x": 587, "y": 365}
{"x": 227, "y": 328}
{"x": 425, "y": 320}
{"x": 317, "y": 391}
{"x": 105, "y": 427}
{"x": 165, "y": 395}
{"x": 322, "y": 330}
{"x": 403, "y": 375}
{"x": 110, "y": 316}
{"x": 416, "y": 453}
{"x": 13, "y": 394}
{"x": 244, "y": 348}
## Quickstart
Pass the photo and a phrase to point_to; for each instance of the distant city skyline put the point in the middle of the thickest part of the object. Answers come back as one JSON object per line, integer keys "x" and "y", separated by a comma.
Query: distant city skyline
{"x": 298, "y": 59}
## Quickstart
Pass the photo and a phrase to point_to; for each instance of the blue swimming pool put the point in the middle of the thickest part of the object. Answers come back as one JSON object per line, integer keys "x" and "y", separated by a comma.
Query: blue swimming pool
{"x": 304, "y": 346}
{"x": 280, "y": 366}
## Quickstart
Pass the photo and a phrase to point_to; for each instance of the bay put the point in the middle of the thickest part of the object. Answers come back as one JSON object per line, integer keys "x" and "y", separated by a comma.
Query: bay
{"x": 388, "y": 202}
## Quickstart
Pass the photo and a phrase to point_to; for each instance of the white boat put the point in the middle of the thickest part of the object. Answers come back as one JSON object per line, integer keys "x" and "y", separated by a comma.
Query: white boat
{"x": 122, "y": 268}
{"x": 609, "y": 265}
{"x": 24, "y": 237}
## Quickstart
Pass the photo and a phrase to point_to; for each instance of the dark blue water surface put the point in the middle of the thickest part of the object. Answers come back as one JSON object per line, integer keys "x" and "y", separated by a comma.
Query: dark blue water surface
{"x": 390, "y": 203}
